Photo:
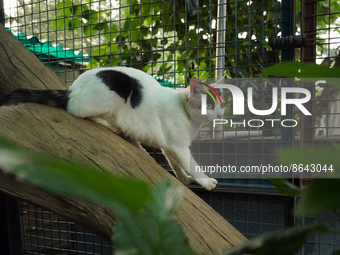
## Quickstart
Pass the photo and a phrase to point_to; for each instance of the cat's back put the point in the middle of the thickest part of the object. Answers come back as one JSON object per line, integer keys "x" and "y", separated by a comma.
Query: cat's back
{"x": 113, "y": 77}
{"x": 112, "y": 87}
{"x": 125, "y": 81}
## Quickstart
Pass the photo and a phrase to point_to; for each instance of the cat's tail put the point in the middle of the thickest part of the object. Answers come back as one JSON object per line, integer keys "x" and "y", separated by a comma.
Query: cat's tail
{"x": 55, "y": 98}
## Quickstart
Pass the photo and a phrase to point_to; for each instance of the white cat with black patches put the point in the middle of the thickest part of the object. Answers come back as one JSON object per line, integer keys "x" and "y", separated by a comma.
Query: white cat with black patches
{"x": 134, "y": 105}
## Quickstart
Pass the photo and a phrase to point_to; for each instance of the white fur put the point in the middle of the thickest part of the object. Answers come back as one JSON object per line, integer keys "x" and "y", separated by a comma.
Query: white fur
{"x": 160, "y": 121}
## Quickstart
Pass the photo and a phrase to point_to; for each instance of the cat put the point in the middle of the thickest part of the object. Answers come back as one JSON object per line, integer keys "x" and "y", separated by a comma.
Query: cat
{"x": 133, "y": 104}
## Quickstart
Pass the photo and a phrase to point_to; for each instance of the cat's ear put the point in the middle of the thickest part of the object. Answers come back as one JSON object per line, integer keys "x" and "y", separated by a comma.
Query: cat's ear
{"x": 194, "y": 97}
{"x": 220, "y": 81}
{"x": 195, "y": 83}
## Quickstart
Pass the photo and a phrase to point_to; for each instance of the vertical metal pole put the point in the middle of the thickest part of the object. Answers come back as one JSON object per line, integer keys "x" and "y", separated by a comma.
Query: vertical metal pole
{"x": 288, "y": 29}
{"x": 308, "y": 54}
{"x": 220, "y": 53}
{"x": 220, "y": 38}
{"x": 308, "y": 29}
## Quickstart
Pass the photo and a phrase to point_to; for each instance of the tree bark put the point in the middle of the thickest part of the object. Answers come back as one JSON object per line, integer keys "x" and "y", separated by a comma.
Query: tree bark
{"x": 56, "y": 133}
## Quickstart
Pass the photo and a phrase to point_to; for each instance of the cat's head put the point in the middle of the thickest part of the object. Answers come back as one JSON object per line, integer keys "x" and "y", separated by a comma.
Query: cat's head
{"x": 214, "y": 109}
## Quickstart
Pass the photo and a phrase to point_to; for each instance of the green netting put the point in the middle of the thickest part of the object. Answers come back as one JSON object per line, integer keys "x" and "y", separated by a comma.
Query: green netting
{"x": 166, "y": 83}
{"x": 47, "y": 51}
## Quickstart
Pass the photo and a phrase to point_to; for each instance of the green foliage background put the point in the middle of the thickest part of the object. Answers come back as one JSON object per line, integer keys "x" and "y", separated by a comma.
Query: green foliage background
{"x": 168, "y": 38}
{"x": 159, "y": 37}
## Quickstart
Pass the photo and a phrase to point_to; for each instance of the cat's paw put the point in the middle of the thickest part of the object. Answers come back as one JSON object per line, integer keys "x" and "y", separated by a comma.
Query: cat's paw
{"x": 207, "y": 183}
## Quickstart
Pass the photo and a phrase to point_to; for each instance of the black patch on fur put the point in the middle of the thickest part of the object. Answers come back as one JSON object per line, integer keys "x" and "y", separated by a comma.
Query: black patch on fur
{"x": 55, "y": 98}
{"x": 124, "y": 85}
{"x": 211, "y": 101}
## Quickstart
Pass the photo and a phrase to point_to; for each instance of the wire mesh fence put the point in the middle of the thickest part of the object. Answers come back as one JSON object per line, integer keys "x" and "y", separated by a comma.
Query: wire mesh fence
{"x": 166, "y": 38}
{"x": 320, "y": 25}
{"x": 327, "y": 52}
{"x": 252, "y": 214}
{"x": 44, "y": 232}
{"x": 175, "y": 41}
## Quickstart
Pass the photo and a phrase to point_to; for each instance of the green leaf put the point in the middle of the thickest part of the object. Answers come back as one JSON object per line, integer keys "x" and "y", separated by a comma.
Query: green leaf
{"x": 146, "y": 7}
{"x": 315, "y": 161}
{"x": 63, "y": 4}
{"x": 165, "y": 199}
{"x": 74, "y": 23}
{"x": 103, "y": 26}
{"x": 336, "y": 252}
{"x": 94, "y": 18}
{"x": 156, "y": 56}
{"x": 165, "y": 68}
{"x": 80, "y": 9}
{"x": 135, "y": 23}
{"x": 154, "y": 32}
{"x": 151, "y": 231}
{"x": 74, "y": 180}
{"x": 111, "y": 32}
{"x": 320, "y": 195}
{"x": 147, "y": 21}
{"x": 135, "y": 35}
{"x": 63, "y": 8}
{"x": 285, "y": 187}
{"x": 301, "y": 70}
{"x": 86, "y": 14}
{"x": 279, "y": 242}
{"x": 113, "y": 48}
{"x": 61, "y": 24}
{"x": 91, "y": 16}
{"x": 93, "y": 63}
{"x": 90, "y": 30}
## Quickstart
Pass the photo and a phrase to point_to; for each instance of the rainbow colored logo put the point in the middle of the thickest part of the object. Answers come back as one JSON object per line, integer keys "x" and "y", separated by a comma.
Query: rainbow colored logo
{"x": 208, "y": 92}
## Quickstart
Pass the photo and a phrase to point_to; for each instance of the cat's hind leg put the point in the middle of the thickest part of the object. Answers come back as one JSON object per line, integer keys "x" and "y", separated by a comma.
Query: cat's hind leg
{"x": 105, "y": 123}
{"x": 135, "y": 143}
{"x": 117, "y": 130}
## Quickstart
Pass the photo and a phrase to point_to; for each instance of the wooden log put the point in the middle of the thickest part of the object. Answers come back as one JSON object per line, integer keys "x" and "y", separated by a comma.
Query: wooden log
{"x": 56, "y": 133}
